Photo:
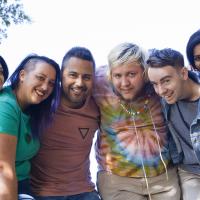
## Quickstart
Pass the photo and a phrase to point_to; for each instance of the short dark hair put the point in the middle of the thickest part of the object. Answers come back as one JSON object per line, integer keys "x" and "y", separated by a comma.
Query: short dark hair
{"x": 78, "y": 52}
{"x": 192, "y": 42}
{"x": 5, "y": 68}
{"x": 164, "y": 57}
{"x": 42, "y": 113}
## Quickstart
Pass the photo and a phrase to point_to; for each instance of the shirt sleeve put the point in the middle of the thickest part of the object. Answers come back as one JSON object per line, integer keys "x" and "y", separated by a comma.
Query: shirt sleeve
{"x": 9, "y": 118}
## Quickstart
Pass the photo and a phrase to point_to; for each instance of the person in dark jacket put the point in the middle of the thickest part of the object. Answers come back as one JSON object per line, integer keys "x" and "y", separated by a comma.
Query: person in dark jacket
{"x": 180, "y": 90}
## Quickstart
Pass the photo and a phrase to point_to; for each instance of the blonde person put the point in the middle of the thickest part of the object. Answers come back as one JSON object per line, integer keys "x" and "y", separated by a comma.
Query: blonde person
{"x": 132, "y": 147}
{"x": 26, "y": 107}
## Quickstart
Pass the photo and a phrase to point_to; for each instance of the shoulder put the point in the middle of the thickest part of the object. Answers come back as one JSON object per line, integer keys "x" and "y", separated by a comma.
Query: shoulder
{"x": 101, "y": 71}
{"x": 6, "y": 94}
{"x": 8, "y": 103}
{"x": 194, "y": 75}
{"x": 101, "y": 75}
{"x": 92, "y": 106}
{"x": 10, "y": 116}
{"x": 102, "y": 85}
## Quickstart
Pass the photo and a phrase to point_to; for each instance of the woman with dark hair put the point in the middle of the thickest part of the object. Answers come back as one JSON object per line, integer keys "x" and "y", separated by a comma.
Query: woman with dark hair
{"x": 193, "y": 50}
{"x": 3, "y": 71}
{"x": 26, "y": 108}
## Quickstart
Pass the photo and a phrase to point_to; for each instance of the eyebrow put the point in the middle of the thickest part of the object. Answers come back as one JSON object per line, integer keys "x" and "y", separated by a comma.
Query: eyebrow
{"x": 79, "y": 73}
{"x": 165, "y": 77}
{"x": 40, "y": 73}
{"x": 162, "y": 79}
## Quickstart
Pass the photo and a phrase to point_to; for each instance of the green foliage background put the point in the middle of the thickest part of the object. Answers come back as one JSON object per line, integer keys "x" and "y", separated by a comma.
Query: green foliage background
{"x": 11, "y": 12}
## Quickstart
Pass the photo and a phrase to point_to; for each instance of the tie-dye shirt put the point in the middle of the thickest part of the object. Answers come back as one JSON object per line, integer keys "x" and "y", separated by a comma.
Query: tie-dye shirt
{"x": 127, "y": 142}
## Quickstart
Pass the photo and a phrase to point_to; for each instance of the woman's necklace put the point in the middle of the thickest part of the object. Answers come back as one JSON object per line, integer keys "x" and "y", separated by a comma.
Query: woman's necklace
{"x": 130, "y": 110}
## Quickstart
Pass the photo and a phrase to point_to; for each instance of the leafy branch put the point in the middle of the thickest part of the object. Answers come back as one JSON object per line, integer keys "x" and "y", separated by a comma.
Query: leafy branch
{"x": 11, "y": 12}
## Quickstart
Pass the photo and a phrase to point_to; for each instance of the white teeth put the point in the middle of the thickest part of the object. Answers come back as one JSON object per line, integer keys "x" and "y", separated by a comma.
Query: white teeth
{"x": 168, "y": 96}
{"x": 39, "y": 93}
{"x": 75, "y": 89}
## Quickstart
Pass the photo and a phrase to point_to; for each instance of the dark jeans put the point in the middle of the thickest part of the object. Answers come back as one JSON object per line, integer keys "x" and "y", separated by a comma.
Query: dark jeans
{"x": 24, "y": 187}
{"x": 83, "y": 196}
{"x": 24, "y": 192}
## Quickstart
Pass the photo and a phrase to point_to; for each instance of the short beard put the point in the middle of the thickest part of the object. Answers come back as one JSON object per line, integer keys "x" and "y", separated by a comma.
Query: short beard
{"x": 70, "y": 103}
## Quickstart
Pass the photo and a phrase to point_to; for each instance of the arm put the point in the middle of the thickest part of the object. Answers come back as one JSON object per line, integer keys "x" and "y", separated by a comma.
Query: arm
{"x": 8, "y": 179}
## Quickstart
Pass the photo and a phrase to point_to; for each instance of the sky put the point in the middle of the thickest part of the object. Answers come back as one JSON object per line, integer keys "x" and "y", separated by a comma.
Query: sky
{"x": 100, "y": 25}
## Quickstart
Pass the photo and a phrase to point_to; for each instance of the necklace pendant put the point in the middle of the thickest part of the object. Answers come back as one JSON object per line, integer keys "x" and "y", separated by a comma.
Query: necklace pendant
{"x": 134, "y": 113}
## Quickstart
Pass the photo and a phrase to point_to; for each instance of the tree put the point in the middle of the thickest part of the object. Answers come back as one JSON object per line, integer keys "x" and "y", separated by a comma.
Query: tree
{"x": 11, "y": 12}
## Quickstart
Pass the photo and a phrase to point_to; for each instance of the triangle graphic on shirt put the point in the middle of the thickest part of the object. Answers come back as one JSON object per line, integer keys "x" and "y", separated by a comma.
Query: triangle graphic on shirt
{"x": 83, "y": 132}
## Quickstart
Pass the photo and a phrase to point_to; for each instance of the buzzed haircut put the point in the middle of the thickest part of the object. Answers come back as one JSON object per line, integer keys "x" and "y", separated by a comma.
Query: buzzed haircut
{"x": 78, "y": 52}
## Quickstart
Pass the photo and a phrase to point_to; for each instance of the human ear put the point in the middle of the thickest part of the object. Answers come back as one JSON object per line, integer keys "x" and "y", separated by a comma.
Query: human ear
{"x": 22, "y": 75}
{"x": 184, "y": 73}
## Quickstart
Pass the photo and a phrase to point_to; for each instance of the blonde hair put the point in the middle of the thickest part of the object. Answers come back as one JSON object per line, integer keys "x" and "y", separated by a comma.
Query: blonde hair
{"x": 125, "y": 53}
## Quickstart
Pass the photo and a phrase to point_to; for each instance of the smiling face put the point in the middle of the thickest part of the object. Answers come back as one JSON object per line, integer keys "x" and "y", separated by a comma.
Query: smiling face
{"x": 196, "y": 53}
{"x": 168, "y": 82}
{"x": 36, "y": 84}
{"x": 77, "y": 82}
{"x": 128, "y": 80}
